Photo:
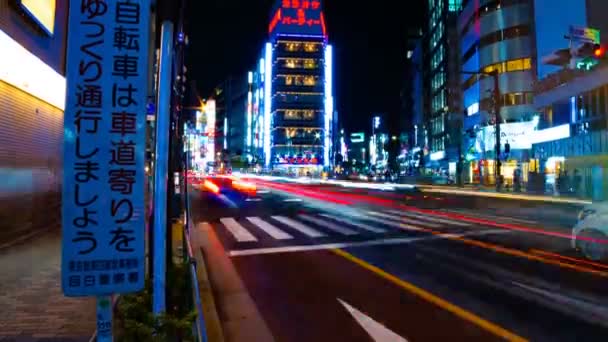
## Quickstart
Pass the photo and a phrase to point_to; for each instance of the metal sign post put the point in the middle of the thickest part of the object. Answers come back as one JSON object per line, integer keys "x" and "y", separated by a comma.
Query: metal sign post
{"x": 161, "y": 168}
{"x": 104, "y": 319}
{"x": 104, "y": 151}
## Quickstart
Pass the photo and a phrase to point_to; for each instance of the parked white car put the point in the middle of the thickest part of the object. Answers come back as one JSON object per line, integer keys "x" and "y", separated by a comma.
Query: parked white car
{"x": 590, "y": 234}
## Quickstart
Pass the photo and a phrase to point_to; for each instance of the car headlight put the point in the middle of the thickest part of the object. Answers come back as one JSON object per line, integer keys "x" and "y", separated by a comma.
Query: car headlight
{"x": 584, "y": 213}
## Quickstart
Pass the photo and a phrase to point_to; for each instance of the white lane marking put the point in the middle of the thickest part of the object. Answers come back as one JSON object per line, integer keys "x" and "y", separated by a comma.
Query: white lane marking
{"x": 379, "y": 242}
{"x": 263, "y": 191}
{"x": 377, "y": 331}
{"x": 302, "y": 228}
{"x": 429, "y": 217}
{"x": 269, "y": 228}
{"x": 253, "y": 200}
{"x": 292, "y": 200}
{"x": 404, "y": 219}
{"x": 328, "y": 225}
{"x": 240, "y": 233}
{"x": 355, "y": 223}
{"x": 590, "y": 309}
{"x": 491, "y": 217}
{"x": 398, "y": 225}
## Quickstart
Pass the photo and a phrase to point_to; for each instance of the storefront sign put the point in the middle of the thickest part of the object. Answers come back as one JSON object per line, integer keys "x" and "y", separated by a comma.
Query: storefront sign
{"x": 43, "y": 12}
{"x": 25, "y": 71}
{"x": 585, "y": 34}
{"x": 437, "y": 155}
{"x": 298, "y": 17}
{"x": 551, "y": 134}
{"x": 517, "y": 134}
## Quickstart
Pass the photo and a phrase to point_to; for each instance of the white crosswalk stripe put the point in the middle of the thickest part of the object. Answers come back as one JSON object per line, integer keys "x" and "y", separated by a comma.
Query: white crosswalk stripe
{"x": 430, "y": 218}
{"x": 269, "y": 228}
{"x": 328, "y": 225}
{"x": 302, "y": 228}
{"x": 240, "y": 233}
{"x": 404, "y": 219}
{"x": 355, "y": 224}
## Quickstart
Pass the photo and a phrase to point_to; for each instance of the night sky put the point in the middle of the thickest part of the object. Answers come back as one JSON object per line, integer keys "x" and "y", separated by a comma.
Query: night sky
{"x": 226, "y": 37}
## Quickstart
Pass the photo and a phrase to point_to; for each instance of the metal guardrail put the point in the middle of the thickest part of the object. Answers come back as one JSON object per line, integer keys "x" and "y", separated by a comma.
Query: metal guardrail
{"x": 199, "y": 325}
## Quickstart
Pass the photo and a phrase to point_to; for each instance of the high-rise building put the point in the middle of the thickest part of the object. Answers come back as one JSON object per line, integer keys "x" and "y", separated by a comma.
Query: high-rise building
{"x": 297, "y": 96}
{"x": 231, "y": 115}
{"x": 496, "y": 37}
{"x": 441, "y": 75}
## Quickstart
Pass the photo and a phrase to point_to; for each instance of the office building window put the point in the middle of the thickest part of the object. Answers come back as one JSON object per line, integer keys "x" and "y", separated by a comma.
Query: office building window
{"x": 291, "y": 63}
{"x": 310, "y": 64}
{"x": 497, "y": 36}
{"x": 509, "y": 99}
{"x": 299, "y": 114}
{"x": 520, "y": 64}
{"x": 296, "y": 63}
{"x": 292, "y": 46}
{"x": 311, "y": 47}
{"x": 454, "y": 5}
{"x": 300, "y": 80}
{"x": 489, "y": 8}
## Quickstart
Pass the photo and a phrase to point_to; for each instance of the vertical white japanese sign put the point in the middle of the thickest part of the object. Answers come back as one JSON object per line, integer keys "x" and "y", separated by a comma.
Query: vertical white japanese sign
{"x": 104, "y": 147}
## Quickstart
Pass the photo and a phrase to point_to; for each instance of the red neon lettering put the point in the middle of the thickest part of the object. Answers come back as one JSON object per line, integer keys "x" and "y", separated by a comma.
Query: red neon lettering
{"x": 275, "y": 21}
{"x": 295, "y": 3}
{"x": 301, "y": 17}
{"x": 324, "y": 28}
{"x": 286, "y": 4}
{"x": 306, "y": 4}
{"x": 316, "y": 4}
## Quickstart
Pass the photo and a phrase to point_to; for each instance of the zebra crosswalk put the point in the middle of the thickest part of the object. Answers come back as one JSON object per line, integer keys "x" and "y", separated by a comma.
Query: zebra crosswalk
{"x": 327, "y": 229}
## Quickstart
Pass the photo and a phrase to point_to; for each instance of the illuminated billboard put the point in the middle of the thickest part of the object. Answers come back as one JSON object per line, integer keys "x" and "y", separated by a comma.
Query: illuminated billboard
{"x": 43, "y": 12}
{"x": 301, "y": 17}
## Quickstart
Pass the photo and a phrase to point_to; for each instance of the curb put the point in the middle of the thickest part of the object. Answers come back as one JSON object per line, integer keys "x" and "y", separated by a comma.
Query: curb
{"x": 230, "y": 311}
{"x": 212, "y": 321}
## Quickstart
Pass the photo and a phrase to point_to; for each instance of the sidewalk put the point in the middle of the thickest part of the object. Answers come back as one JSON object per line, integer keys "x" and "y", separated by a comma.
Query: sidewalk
{"x": 32, "y": 305}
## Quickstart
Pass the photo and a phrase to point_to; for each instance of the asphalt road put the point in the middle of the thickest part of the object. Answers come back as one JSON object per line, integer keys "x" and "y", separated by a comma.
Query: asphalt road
{"x": 325, "y": 263}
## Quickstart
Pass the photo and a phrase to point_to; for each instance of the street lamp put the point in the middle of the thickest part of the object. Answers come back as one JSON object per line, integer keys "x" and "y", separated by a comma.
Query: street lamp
{"x": 497, "y": 106}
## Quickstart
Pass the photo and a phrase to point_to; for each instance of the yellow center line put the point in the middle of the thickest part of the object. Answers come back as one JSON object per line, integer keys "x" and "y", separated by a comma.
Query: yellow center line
{"x": 532, "y": 257}
{"x": 564, "y": 257}
{"x": 456, "y": 310}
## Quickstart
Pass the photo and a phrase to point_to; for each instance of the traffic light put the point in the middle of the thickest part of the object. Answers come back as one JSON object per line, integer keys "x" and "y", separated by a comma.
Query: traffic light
{"x": 599, "y": 51}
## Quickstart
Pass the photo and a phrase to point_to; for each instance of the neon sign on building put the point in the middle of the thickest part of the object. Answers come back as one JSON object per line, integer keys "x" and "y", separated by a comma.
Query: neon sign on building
{"x": 298, "y": 17}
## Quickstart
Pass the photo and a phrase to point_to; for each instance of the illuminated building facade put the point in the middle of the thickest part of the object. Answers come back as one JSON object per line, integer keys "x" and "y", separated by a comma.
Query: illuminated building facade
{"x": 441, "y": 87}
{"x": 297, "y": 89}
{"x": 32, "y": 100}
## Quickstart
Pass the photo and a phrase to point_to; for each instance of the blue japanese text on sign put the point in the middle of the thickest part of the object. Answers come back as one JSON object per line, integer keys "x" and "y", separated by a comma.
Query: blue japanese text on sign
{"x": 104, "y": 147}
